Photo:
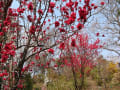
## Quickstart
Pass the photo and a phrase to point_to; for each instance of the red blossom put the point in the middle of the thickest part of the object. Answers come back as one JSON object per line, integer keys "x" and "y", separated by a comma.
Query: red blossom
{"x": 51, "y": 10}
{"x": 62, "y": 29}
{"x": 52, "y": 4}
{"x": 20, "y": 10}
{"x": 32, "y": 62}
{"x": 79, "y": 26}
{"x": 83, "y": 12}
{"x": 37, "y": 57}
{"x": 80, "y": 75}
{"x": 20, "y": 86}
{"x": 97, "y": 34}
{"x": 69, "y": 21}
{"x": 73, "y": 15}
{"x": 51, "y": 51}
{"x": 62, "y": 45}
{"x": 73, "y": 43}
{"x": 69, "y": 4}
{"x": 12, "y": 53}
{"x": 8, "y": 47}
{"x": 66, "y": 62}
{"x": 64, "y": 9}
{"x": 0, "y": 44}
{"x": 95, "y": 7}
{"x": 1, "y": 33}
{"x": 55, "y": 65}
{"x": 4, "y": 78}
{"x": 48, "y": 20}
{"x": 14, "y": 37}
{"x": 72, "y": 27}
{"x": 103, "y": 35}
{"x": 30, "y": 6}
{"x": 92, "y": 4}
{"x": 30, "y": 18}
{"x": 102, "y": 3}
{"x": 40, "y": 11}
{"x": 4, "y": 58}
{"x": 1, "y": 75}
{"x": 57, "y": 23}
{"x": 63, "y": 0}
{"x": 4, "y": 29}
{"x": 76, "y": 4}
{"x": 32, "y": 29}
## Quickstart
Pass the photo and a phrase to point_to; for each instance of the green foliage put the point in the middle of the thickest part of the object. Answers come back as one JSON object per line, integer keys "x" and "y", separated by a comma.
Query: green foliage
{"x": 28, "y": 82}
{"x": 94, "y": 73}
{"x": 61, "y": 83}
{"x": 95, "y": 76}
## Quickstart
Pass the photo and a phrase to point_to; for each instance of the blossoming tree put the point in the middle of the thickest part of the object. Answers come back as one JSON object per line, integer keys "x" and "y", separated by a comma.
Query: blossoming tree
{"x": 79, "y": 54}
{"x": 35, "y": 28}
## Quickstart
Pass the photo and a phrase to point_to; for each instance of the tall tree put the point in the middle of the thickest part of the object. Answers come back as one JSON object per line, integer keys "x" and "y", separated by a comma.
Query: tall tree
{"x": 25, "y": 33}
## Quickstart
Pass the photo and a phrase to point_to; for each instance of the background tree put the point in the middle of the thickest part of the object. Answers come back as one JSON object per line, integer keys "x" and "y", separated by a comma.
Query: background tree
{"x": 104, "y": 72}
{"x": 108, "y": 28}
{"x": 80, "y": 56}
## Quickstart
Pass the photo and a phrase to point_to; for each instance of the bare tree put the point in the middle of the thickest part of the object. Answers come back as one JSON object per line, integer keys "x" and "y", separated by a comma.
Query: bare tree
{"x": 109, "y": 27}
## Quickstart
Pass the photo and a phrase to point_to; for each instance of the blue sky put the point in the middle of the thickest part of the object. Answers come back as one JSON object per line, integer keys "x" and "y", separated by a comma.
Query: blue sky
{"x": 106, "y": 54}
{"x": 15, "y": 4}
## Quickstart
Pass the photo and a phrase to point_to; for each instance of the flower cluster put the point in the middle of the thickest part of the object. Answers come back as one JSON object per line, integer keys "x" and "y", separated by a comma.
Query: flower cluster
{"x": 51, "y": 51}
{"x": 32, "y": 29}
{"x": 30, "y": 6}
{"x": 52, "y": 5}
{"x": 8, "y": 50}
{"x": 71, "y": 19}
{"x": 57, "y": 23}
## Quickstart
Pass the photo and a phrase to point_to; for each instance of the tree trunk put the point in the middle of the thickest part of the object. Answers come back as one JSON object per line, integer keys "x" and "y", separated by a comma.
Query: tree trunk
{"x": 82, "y": 81}
{"x": 46, "y": 80}
{"x": 82, "y": 78}
{"x": 75, "y": 79}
